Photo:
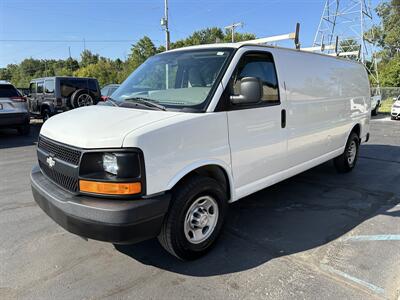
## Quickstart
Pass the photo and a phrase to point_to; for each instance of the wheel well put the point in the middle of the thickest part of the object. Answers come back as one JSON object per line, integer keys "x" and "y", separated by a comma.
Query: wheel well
{"x": 357, "y": 129}
{"x": 214, "y": 171}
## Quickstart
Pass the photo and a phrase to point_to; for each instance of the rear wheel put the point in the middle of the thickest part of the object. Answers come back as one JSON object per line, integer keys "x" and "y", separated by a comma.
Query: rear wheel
{"x": 194, "y": 219}
{"x": 81, "y": 98}
{"x": 374, "y": 112}
{"x": 347, "y": 161}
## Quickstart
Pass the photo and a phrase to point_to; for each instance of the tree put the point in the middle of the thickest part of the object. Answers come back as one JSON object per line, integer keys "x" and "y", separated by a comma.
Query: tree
{"x": 390, "y": 72}
{"x": 387, "y": 33}
{"x": 105, "y": 70}
{"x": 141, "y": 51}
{"x": 88, "y": 58}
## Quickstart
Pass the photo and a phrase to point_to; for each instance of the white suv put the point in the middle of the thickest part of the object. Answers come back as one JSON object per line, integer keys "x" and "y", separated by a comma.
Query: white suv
{"x": 13, "y": 108}
{"x": 192, "y": 130}
{"x": 395, "y": 112}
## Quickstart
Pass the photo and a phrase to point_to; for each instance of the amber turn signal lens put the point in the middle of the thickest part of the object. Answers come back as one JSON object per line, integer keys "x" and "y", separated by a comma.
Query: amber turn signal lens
{"x": 110, "y": 188}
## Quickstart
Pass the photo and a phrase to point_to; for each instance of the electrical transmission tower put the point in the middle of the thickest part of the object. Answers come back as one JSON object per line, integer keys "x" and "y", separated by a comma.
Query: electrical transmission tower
{"x": 348, "y": 22}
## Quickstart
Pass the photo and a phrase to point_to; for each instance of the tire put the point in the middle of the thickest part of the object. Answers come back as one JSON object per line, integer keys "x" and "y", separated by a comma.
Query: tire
{"x": 46, "y": 114}
{"x": 393, "y": 118}
{"x": 81, "y": 98}
{"x": 24, "y": 129}
{"x": 374, "y": 112}
{"x": 188, "y": 207}
{"x": 347, "y": 161}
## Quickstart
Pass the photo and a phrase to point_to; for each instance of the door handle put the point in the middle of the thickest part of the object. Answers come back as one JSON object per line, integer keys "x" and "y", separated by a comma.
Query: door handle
{"x": 283, "y": 118}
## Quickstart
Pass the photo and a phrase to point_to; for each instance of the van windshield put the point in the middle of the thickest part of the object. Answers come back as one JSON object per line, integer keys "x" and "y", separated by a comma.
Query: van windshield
{"x": 176, "y": 80}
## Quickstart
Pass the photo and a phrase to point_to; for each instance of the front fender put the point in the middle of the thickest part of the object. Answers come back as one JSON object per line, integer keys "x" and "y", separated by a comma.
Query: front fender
{"x": 203, "y": 163}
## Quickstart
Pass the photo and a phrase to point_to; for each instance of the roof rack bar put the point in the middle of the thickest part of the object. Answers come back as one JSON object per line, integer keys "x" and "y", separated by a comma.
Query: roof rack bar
{"x": 349, "y": 53}
{"x": 289, "y": 36}
{"x": 319, "y": 48}
{"x": 323, "y": 47}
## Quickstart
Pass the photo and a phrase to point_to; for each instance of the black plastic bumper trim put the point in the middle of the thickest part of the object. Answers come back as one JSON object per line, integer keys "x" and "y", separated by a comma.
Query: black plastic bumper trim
{"x": 115, "y": 221}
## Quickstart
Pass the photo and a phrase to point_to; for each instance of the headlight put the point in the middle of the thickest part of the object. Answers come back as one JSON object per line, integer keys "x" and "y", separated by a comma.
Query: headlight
{"x": 112, "y": 172}
{"x": 110, "y": 163}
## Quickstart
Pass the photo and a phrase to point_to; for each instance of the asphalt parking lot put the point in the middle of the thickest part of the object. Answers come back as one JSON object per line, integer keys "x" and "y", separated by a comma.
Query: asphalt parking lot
{"x": 319, "y": 235}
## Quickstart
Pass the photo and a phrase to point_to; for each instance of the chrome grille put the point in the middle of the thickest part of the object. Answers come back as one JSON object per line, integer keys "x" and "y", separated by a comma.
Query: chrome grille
{"x": 67, "y": 182}
{"x": 59, "y": 151}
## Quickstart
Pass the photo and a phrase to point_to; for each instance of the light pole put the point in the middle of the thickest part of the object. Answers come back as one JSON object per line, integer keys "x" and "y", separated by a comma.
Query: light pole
{"x": 164, "y": 24}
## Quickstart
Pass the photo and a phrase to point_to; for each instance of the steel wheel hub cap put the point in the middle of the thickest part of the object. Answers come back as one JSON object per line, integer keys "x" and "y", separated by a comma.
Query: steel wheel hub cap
{"x": 201, "y": 219}
{"x": 351, "y": 152}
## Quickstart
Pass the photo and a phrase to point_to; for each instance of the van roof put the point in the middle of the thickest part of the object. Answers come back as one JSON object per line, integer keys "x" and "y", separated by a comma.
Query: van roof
{"x": 244, "y": 43}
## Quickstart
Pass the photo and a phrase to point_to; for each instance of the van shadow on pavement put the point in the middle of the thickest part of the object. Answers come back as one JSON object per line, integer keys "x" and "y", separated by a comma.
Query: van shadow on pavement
{"x": 301, "y": 213}
{"x": 9, "y": 138}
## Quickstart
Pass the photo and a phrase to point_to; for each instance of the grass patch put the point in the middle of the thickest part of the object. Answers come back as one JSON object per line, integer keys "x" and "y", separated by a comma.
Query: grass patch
{"x": 386, "y": 106}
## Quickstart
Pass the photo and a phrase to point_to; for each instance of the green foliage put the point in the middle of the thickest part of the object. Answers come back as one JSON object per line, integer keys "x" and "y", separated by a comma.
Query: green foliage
{"x": 105, "y": 70}
{"x": 390, "y": 71}
{"x": 386, "y": 35}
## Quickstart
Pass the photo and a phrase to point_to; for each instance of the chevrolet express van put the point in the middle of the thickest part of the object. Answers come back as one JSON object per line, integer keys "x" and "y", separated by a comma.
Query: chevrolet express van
{"x": 192, "y": 130}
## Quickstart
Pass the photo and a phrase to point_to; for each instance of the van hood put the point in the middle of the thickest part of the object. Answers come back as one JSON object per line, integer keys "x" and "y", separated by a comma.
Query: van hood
{"x": 99, "y": 126}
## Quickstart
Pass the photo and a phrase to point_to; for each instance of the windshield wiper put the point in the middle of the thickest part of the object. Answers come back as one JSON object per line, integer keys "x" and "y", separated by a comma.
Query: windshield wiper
{"x": 112, "y": 101}
{"x": 147, "y": 102}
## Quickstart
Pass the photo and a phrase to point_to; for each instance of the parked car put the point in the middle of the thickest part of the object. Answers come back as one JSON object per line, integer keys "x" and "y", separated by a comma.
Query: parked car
{"x": 395, "y": 112}
{"x": 107, "y": 91}
{"x": 13, "y": 109}
{"x": 165, "y": 156}
{"x": 51, "y": 95}
{"x": 375, "y": 104}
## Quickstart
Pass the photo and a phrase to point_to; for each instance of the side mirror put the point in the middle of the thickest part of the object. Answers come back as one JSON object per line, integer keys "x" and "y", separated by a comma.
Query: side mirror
{"x": 250, "y": 91}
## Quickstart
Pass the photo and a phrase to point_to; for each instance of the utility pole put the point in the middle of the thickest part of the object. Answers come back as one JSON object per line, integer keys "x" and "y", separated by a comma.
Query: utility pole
{"x": 164, "y": 24}
{"x": 232, "y": 28}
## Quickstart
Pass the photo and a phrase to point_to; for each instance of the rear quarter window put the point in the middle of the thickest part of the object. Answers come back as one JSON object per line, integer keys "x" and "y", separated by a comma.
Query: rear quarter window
{"x": 69, "y": 86}
{"x": 7, "y": 90}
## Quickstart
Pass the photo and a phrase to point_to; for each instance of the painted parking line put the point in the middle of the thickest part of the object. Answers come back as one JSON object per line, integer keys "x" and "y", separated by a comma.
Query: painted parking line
{"x": 370, "y": 286}
{"x": 378, "y": 237}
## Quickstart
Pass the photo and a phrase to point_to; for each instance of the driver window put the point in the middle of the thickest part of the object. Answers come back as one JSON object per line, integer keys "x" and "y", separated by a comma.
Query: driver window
{"x": 260, "y": 65}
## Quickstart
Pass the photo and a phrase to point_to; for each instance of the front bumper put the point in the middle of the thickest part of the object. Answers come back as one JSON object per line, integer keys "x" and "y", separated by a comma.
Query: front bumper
{"x": 395, "y": 114}
{"x": 115, "y": 221}
{"x": 13, "y": 119}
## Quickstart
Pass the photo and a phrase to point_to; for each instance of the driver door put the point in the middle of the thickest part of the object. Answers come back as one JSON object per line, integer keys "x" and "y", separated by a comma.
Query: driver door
{"x": 257, "y": 132}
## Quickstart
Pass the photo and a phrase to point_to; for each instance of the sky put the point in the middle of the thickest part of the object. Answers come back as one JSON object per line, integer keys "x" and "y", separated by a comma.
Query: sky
{"x": 49, "y": 28}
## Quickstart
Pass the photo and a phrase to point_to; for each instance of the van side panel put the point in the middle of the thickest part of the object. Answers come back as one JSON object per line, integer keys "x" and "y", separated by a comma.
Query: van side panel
{"x": 325, "y": 97}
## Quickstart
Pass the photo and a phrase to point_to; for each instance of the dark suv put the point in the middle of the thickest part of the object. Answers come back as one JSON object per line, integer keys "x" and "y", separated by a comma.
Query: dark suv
{"x": 51, "y": 95}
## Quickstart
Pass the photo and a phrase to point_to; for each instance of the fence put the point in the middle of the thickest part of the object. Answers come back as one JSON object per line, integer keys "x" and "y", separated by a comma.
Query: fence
{"x": 388, "y": 93}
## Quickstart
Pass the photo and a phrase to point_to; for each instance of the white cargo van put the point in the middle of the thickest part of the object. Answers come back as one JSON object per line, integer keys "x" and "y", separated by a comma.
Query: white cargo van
{"x": 192, "y": 130}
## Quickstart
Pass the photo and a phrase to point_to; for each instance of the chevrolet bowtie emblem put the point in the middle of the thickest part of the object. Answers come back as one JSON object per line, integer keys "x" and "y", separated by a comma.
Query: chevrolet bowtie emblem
{"x": 50, "y": 161}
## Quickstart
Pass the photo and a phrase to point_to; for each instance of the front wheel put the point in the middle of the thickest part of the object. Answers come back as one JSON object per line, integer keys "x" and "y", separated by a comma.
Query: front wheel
{"x": 347, "y": 161}
{"x": 194, "y": 219}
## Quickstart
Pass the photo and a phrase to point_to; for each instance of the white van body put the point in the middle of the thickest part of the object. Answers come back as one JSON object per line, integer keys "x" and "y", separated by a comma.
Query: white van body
{"x": 189, "y": 165}
{"x": 324, "y": 96}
